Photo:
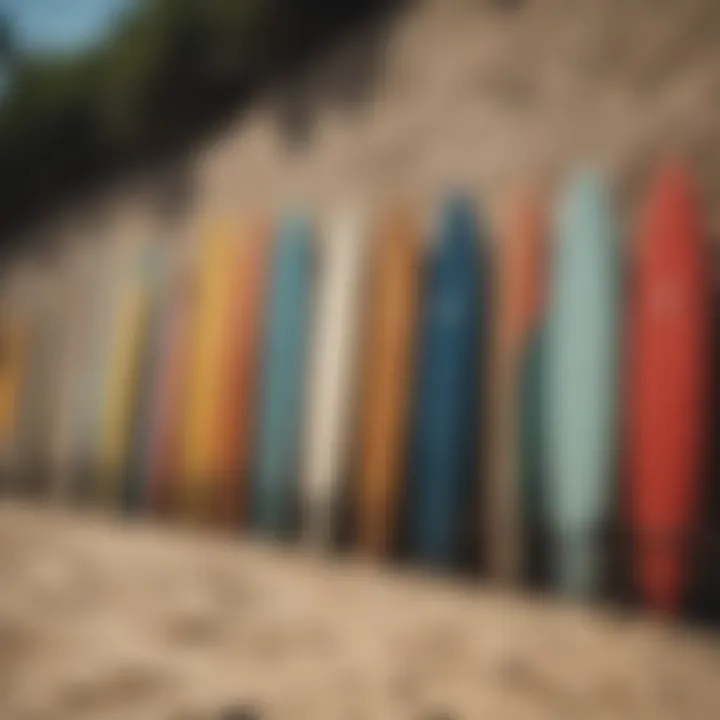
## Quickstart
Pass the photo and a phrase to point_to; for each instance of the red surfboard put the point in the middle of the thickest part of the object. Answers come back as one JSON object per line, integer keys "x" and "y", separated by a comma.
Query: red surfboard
{"x": 669, "y": 368}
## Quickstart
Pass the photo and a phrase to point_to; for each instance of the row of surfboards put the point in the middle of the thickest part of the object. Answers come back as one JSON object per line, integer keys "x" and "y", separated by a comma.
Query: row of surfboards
{"x": 472, "y": 399}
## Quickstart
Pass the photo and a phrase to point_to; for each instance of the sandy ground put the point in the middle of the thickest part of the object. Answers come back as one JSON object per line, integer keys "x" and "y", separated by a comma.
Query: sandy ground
{"x": 101, "y": 620}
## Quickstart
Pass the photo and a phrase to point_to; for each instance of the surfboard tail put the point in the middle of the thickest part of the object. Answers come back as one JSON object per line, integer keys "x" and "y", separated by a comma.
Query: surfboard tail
{"x": 578, "y": 564}
{"x": 317, "y": 522}
{"x": 661, "y": 578}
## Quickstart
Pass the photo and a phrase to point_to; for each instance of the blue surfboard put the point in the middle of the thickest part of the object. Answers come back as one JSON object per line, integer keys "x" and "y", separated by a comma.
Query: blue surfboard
{"x": 277, "y": 473}
{"x": 581, "y": 381}
{"x": 446, "y": 413}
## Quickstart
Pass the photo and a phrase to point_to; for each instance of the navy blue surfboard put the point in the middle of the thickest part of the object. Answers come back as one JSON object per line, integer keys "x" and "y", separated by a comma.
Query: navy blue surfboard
{"x": 446, "y": 413}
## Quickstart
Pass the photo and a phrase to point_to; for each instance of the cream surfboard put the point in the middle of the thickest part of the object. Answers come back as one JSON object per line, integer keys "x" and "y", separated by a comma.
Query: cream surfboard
{"x": 332, "y": 377}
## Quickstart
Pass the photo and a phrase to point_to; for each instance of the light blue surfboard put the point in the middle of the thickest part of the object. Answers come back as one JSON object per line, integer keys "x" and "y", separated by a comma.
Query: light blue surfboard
{"x": 581, "y": 381}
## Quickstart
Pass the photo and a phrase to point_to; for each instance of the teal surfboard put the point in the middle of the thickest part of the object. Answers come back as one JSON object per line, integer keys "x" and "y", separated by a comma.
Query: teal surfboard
{"x": 581, "y": 381}
{"x": 277, "y": 473}
{"x": 531, "y": 460}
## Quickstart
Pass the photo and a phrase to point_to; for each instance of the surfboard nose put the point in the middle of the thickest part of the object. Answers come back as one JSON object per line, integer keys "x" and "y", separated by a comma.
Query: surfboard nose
{"x": 458, "y": 227}
{"x": 585, "y": 197}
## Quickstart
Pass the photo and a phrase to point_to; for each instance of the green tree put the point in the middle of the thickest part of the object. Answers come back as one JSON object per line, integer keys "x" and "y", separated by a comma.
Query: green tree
{"x": 8, "y": 46}
{"x": 167, "y": 68}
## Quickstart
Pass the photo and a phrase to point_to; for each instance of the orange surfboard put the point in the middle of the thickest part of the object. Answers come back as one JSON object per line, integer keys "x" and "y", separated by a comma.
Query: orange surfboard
{"x": 238, "y": 369}
{"x": 14, "y": 341}
{"x": 668, "y": 386}
{"x": 394, "y": 285}
{"x": 518, "y": 297}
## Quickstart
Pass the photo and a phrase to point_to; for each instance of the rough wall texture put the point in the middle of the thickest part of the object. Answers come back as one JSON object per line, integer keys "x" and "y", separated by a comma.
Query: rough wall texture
{"x": 479, "y": 93}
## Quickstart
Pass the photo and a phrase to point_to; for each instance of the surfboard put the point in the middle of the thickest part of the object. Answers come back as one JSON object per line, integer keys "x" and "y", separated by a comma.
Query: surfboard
{"x": 446, "y": 432}
{"x": 137, "y": 491}
{"x": 140, "y": 305}
{"x": 128, "y": 334}
{"x": 532, "y": 465}
{"x": 35, "y": 413}
{"x": 108, "y": 265}
{"x": 581, "y": 379}
{"x": 282, "y": 400}
{"x": 170, "y": 394}
{"x": 13, "y": 371}
{"x": 517, "y": 315}
{"x": 669, "y": 380}
{"x": 387, "y": 373}
{"x": 242, "y": 322}
{"x": 335, "y": 348}
{"x": 70, "y": 283}
{"x": 216, "y": 262}
{"x": 701, "y": 595}
{"x": 78, "y": 305}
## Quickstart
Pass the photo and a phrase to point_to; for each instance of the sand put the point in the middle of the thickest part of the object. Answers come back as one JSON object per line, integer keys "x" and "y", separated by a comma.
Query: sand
{"x": 105, "y": 619}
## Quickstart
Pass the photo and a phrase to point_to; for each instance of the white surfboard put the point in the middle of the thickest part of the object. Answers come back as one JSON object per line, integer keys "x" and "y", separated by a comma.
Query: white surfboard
{"x": 332, "y": 375}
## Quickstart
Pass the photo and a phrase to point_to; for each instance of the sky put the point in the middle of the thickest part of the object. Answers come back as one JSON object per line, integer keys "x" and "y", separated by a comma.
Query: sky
{"x": 60, "y": 24}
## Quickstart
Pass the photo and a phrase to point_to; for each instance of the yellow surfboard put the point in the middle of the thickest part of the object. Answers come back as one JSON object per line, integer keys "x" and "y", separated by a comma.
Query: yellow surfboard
{"x": 387, "y": 373}
{"x": 127, "y": 343}
{"x": 214, "y": 277}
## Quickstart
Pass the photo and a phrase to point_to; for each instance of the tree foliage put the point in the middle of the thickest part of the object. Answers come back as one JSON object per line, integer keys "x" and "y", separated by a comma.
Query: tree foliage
{"x": 165, "y": 70}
